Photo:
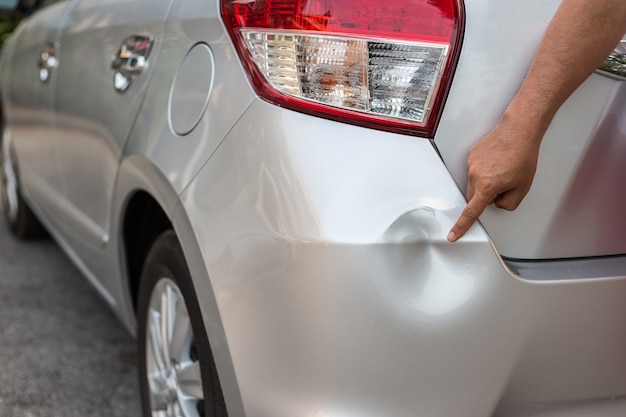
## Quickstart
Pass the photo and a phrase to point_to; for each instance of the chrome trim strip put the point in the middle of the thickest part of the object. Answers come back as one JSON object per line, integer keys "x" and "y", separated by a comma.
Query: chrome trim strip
{"x": 615, "y": 64}
{"x": 568, "y": 269}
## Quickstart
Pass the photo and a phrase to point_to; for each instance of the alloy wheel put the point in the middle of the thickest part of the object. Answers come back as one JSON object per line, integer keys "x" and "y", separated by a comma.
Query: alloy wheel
{"x": 10, "y": 191}
{"x": 172, "y": 366}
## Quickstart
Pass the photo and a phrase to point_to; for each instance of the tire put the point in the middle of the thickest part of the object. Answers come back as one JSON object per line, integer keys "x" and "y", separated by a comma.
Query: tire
{"x": 180, "y": 373}
{"x": 21, "y": 220}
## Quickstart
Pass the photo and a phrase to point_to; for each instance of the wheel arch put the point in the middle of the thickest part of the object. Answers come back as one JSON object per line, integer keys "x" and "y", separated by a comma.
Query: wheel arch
{"x": 148, "y": 204}
{"x": 210, "y": 311}
{"x": 145, "y": 202}
{"x": 144, "y": 221}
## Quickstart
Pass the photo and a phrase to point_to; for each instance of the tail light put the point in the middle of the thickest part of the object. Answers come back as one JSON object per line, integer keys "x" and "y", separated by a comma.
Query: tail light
{"x": 385, "y": 64}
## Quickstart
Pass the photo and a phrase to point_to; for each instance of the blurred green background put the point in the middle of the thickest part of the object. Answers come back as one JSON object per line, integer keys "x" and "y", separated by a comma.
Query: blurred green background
{"x": 7, "y": 24}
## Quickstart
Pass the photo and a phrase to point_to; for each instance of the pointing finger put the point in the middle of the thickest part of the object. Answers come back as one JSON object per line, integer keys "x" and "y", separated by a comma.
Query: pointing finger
{"x": 475, "y": 207}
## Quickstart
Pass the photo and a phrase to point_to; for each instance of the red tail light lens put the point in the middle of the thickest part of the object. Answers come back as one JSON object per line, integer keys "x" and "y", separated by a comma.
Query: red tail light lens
{"x": 385, "y": 64}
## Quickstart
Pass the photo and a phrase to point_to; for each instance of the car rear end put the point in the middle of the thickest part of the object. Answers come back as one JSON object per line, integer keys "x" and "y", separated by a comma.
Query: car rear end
{"x": 323, "y": 215}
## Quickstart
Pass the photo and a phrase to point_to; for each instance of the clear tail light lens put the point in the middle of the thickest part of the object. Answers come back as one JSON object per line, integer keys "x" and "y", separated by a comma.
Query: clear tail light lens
{"x": 385, "y": 64}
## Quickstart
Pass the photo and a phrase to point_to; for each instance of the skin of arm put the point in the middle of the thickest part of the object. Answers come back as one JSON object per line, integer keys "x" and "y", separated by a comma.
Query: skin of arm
{"x": 502, "y": 164}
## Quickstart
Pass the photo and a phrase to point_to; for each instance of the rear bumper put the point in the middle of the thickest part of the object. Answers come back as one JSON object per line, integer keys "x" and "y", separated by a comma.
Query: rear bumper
{"x": 339, "y": 294}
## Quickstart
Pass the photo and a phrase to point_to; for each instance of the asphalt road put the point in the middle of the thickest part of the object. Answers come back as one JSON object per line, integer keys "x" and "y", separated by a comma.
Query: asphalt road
{"x": 62, "y": 350}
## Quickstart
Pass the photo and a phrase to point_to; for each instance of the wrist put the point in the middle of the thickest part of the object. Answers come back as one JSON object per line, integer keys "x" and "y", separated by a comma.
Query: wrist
{"x": 531, "y": 121}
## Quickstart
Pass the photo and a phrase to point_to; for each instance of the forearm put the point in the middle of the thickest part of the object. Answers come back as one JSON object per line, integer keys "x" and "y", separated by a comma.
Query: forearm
{"x": 581, "y": 35}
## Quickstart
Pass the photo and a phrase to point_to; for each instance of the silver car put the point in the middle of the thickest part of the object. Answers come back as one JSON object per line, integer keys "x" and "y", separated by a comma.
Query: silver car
{"x": 262, "y": 190}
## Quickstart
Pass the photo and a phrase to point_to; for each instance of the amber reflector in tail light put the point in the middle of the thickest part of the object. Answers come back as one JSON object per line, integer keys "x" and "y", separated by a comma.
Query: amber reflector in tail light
{"x": 384, "y": 64}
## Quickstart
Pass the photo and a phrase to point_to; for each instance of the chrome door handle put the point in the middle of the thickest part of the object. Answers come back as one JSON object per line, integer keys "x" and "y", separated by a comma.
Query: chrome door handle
{"x": 130, "y": 60}
{"x": 47, "y": 61}
{"x": 615, "y": 64}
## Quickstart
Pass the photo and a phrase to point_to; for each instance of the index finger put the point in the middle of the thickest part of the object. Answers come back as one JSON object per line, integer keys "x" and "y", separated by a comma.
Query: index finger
{"x": 475, "y": 207}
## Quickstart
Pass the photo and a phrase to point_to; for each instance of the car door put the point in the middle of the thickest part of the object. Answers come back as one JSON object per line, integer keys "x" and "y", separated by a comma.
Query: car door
{"x": 33, "y": 58}
{"x": 108, "y": 51}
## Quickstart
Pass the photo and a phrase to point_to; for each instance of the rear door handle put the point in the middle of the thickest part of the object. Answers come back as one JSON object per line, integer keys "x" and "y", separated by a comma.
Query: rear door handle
{"x": 131, "y": 60}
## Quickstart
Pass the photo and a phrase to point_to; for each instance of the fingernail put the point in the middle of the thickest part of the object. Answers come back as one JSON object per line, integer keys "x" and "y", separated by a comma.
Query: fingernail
{"x": 451, "y": 236}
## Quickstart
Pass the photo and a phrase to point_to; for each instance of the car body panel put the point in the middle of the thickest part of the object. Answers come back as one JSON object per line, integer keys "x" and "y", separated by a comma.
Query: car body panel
{"x": 180, "y": 157}
{"x": 368, "y": 310}
{"x": 136, "y": 174}
{"x": 29, "y": 102}
{"x": 318, "y": 249}
{"x": 93, "y": 119}
{"x": 573, "y": 208}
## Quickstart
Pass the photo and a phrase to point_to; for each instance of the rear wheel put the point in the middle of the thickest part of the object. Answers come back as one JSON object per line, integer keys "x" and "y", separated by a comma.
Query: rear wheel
{"x": 177, "y": 373}
{"x": 21, "y": 220}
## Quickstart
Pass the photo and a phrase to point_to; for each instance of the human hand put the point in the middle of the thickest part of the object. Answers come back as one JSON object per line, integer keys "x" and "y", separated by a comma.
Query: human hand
{"x": 501, "y": 167}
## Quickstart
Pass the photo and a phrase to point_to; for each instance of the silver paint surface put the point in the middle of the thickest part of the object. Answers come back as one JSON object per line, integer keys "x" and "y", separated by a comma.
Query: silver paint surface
{"x": 318, "y": 249}
{"x": 574, "y": 206}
